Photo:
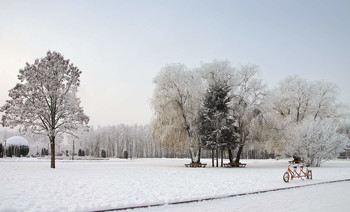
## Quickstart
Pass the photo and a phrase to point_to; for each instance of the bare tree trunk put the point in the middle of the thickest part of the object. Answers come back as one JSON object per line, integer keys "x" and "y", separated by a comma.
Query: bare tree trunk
{"x": 222, "y": 158}
{"x": 212, "y": 157}
{"x": 240, "y": 149}
{"x": 199, "y": 154}
{"x": 191, "y": 155}
{"x": 195, "y": 152}
{"x": 239, "y": 154}
{"x": 52, "y": 143}
{"x": 217, "y": 158}
{"x": 230, "y": 155}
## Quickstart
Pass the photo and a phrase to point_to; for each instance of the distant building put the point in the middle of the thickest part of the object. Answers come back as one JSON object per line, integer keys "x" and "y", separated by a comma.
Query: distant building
{"x": 16, "y": 146}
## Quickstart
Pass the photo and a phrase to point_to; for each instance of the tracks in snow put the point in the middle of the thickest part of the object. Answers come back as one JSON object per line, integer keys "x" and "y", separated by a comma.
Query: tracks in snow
{"x": 221, "y": 197}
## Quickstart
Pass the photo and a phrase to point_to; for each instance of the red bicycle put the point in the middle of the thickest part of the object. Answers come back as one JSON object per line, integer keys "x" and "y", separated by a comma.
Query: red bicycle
{"x": 290, "y": 174}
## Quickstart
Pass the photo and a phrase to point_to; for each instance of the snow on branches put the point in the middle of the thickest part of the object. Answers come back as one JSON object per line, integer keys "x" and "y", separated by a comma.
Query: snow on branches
{"x": 179, "y": 93}
{"x": 315, "y": 140}
{"x": 216, "y": 124}
{"x": 45, "y": 101}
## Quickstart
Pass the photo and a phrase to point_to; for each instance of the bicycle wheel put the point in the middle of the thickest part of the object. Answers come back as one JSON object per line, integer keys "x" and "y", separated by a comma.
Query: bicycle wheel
{"x": 286, "y": 177}
{"x": 309, "y": 175}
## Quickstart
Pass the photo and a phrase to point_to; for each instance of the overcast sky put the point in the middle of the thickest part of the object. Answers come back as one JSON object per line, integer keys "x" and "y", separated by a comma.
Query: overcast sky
{"x": 120, "y": 46}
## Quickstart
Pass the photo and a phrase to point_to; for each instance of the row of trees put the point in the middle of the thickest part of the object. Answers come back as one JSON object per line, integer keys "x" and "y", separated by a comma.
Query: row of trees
{"x": 213, "y": 107}
{"x": 113, "y": 141}
{"x": 122, "y": 141}
{"x": 116, "y": 140}
{"x": 220, "y": 107}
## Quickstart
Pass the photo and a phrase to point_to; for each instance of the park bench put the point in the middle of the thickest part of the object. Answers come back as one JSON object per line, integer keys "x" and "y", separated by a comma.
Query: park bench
{"x": 201, "y": 165}
{"x": 230, "y": 165}
{"x": 295, "y": 161}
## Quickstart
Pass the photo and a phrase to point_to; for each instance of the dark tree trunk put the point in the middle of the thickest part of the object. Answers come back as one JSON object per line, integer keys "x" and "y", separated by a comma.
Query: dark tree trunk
{"x": 217, "y": 158}
{"x": 52, "y": 143}
{"x": 239, "y": 154}
{"x": 212, "y": 157}
{"x": 199, "y": 154}
{"x": 222, "y": 158}
{"x": 230, "y": 155}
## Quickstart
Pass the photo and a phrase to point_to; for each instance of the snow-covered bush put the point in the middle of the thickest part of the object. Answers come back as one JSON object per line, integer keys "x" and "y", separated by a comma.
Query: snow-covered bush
{"x": 315, "y": 140}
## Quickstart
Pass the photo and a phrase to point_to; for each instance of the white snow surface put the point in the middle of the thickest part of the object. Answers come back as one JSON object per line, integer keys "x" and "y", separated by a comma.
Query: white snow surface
{"x": 17, "y": 141}
{"x": 326, "y": 197}
{"x": 28, "y": 184}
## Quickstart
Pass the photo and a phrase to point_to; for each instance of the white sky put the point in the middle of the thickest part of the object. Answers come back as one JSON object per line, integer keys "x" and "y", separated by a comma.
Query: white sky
{"x": 120, "y": 46}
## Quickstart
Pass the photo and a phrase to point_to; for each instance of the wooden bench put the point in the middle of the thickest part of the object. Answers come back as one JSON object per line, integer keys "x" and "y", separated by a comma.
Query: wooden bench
{"x": 230, "y": 165}
{"x": 201, "y": 165}
{"x": 295, "y": 161}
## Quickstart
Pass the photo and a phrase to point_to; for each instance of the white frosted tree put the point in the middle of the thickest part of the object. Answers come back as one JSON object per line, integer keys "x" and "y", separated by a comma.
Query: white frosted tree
{"x": 315, "y": 140}
{"x": 45, "y": 100}
{"x": 292, "y": 99}
{"x": 247, "y": 96}
{"x": 178, "y": 94}
{"x": 296, "y": 98}
{"x": 176, "y": 101}
{"x": 297, "y": 102}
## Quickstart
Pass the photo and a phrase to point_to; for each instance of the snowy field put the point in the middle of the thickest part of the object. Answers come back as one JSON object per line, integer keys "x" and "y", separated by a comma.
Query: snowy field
{"x": 30, "y": 185}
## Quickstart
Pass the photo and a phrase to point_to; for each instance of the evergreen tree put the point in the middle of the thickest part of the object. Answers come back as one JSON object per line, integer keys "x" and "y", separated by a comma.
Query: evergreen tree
{"x": 103, "y": 153}
{"x": 125, "y": 153}
{"x": 215, "y": 125}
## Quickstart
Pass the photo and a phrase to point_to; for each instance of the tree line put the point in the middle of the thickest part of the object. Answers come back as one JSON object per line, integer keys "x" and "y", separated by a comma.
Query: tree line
{"x": 198, "y": 112}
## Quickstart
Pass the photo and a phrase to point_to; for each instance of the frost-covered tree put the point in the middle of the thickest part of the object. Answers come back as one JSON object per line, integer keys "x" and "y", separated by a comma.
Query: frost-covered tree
{"x": 247, "y": 96}
{"x": 45, "y": 100}
{"x": 264, "y": 137}
{"x": 296, "y": 98}
{"x": 292, "y": 99}
{"x": 176, "y": 101}
{"x": 297, "y": 102}
{"x": 315, "y": 140}
{"x": 178, "y": 93}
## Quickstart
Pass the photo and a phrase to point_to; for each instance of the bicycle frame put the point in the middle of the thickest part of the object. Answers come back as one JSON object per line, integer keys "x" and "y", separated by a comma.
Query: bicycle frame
{"x": 295, "y": 174}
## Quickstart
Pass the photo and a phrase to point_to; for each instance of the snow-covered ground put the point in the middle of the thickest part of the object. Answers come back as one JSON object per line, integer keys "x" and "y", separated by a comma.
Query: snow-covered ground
{"x": 327, "y": 197}
{"x": 30, "y": 185}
